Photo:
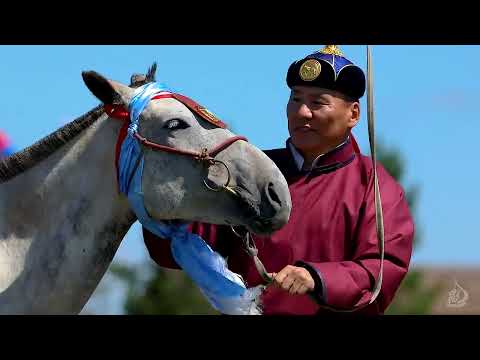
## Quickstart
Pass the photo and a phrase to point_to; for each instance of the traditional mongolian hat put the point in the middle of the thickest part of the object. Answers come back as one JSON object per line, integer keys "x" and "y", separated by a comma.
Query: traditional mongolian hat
{"x": 329, "y": 69}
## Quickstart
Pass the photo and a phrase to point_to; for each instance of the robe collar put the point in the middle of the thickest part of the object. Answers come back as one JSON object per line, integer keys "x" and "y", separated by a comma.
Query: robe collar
{"x": 335, "y": 159}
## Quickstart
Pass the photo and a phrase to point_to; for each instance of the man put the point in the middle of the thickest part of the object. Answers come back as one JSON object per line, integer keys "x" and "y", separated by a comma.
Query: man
{"x": 327, "y": 256}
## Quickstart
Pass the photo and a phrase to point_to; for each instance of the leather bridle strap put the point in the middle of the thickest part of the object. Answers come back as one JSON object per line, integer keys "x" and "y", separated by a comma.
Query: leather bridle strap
{"x": 204, "y": 155}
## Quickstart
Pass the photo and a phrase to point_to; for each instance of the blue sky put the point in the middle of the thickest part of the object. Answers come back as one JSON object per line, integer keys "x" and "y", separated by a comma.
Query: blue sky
{"x": 425, "y": 98}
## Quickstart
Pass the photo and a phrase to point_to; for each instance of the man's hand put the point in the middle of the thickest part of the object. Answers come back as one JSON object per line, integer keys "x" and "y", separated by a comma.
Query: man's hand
{"x": 295, "y": 280}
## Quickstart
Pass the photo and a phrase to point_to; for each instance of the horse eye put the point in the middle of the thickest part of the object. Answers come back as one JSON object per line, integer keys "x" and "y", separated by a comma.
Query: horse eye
{"x": 176, "y": 124}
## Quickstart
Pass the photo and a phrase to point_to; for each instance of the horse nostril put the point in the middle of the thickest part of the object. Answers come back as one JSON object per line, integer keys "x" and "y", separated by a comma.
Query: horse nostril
{"x": 272, "y": 194}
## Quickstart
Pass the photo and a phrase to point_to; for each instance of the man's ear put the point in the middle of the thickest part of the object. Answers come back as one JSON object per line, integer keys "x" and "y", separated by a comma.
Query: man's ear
{"x": 107, "y": 91}
{"x": 354, "y": 114}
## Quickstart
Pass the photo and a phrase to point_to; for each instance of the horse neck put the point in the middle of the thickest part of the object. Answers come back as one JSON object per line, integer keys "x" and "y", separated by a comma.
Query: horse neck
{"x": 61, "y": 223}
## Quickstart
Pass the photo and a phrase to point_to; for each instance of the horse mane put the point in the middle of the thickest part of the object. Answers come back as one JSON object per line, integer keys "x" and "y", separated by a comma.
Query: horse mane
{"x": 23, "y": 160}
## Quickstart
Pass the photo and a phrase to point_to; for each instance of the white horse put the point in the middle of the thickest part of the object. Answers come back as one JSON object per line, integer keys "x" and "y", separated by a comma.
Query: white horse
{"x": 62, "y": 217}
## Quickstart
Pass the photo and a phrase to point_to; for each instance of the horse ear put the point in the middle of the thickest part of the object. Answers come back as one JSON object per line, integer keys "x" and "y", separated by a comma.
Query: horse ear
{"x": 107, "y": 91}
{"x": 151, "y": 72}
{"x": 137, "y": 80}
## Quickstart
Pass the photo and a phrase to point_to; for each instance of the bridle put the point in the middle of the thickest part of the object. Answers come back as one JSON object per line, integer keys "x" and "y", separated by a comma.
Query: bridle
{"x": 205, "y": 156}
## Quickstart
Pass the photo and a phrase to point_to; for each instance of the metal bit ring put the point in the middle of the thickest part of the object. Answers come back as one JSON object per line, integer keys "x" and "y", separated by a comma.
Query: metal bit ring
{"x": 223, "y": 187}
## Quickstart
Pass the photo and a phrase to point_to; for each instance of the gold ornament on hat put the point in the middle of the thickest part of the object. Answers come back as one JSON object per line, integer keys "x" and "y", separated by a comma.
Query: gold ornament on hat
{"x": 331, "y": 50}
{"x": 310, "y": 70}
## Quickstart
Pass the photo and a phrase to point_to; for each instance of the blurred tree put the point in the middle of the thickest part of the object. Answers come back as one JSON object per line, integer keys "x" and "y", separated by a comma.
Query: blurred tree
{"x": 162, "y": 292}
{"x": 413, "y": 296}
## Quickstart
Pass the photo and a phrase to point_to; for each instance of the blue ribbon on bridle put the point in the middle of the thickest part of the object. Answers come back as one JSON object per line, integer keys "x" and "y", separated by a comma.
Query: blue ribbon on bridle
{"x": 224, "y": 289}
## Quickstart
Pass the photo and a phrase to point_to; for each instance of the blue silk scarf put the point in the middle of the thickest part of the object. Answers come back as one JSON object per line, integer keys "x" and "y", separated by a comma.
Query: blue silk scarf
{"x": 224, "y": 289}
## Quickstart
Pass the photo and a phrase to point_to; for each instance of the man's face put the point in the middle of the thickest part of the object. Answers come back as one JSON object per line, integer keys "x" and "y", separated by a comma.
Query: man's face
{"x": 319, "y": 118}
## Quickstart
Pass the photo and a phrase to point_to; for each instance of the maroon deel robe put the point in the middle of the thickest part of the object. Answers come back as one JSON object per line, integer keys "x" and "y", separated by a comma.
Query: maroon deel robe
{"x": 331, "y": 232}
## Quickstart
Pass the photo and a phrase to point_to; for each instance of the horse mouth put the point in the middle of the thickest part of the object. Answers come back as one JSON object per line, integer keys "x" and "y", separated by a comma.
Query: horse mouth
{"x": 254, "y": 221}
{"x": 262, "y": 227}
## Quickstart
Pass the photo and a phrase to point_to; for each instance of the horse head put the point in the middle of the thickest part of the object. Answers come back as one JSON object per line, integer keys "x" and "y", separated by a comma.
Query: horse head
{"x": 177, "y": 185}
